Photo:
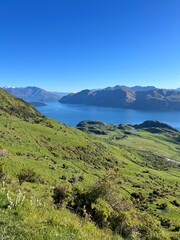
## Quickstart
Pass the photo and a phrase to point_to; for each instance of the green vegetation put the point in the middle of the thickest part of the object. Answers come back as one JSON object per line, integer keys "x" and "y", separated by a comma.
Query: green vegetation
{"x": 57, "y": 182}
{"x": 151, "y": 137}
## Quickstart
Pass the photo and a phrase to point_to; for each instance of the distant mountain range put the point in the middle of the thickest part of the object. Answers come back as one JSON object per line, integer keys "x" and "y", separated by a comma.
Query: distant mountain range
{"x": 137, "y": 97}
{"x": 134, "y": 89}
{"x": 34, "y": 94}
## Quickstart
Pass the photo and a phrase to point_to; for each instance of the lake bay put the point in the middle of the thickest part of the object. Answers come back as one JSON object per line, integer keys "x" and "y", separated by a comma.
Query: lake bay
{"x": 72, "y": 114}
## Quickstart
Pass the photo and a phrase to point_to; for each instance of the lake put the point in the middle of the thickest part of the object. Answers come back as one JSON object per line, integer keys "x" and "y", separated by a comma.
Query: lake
{"x": 71, "y": 114}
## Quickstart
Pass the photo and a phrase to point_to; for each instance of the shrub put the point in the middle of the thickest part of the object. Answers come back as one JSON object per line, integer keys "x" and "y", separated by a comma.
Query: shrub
{"x": 165, "y": 222}
{"x": 120, "y": 223}
{"x": 149, "y": 228}
{"x": 62, "y": 195}
{"x": 64, "y": 177}
{"x": 162, "y": 206}
{"x": 175, "y": 203}
{"x": 2, "y": 174}
{"x": 101, "y": 204}
{"x": 176, "y": 229}
{"x": 73, "y": 179}
{"x": 29, "y": 175}
{"x": 101, "y": 212}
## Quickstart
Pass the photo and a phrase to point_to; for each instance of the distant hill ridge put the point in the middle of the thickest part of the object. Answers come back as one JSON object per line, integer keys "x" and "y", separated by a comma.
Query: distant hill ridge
{"x": 99, "y": 127}
{"x": 34, "y": 94}
{"x": 136, "y": 97}
{"x": 134, "y": 89}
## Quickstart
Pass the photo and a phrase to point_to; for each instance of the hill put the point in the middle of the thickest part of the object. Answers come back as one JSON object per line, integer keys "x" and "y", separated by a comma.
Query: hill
{"x": 141, "y": 137}
{"x": 10, "y": 105}
{"x": 33, "y": 94}
{"x": 120, "y": 97}
{"x": 123, "y": 97}
{"x": 58, "y": 182}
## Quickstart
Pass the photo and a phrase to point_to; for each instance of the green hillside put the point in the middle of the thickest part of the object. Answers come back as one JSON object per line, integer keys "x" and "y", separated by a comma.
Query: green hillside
{"x": 57, "y": 182}
{"x": 16, "y": 107}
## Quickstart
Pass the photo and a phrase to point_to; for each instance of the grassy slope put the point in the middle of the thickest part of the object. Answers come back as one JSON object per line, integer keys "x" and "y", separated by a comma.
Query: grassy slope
{"x": 62, "y": 155}
{"x": 164, "y": 143}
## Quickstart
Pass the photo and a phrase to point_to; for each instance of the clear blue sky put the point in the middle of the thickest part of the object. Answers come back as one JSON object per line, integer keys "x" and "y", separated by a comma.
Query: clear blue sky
{"x": 69, "y": 45}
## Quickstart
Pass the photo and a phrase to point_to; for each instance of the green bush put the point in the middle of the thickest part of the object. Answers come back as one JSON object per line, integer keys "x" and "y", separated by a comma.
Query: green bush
{"x": 29, "y": 175}
{"x": 103, "y": 206}
{"x": 2, "y": 174}
{"x": 62, "y": 195}
{"x": 101, "y": 212}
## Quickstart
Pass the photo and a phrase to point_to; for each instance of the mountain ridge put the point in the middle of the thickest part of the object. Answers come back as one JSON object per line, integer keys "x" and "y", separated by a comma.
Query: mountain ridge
{"x": 124, "y": 97}
{"x": 34, "y": 94}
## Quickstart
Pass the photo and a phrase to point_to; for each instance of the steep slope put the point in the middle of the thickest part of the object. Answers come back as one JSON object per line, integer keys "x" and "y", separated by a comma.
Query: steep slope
{"x": 60, "y": 183}
{"x": 17, "y": 107}
{"x": 32, "y": 94}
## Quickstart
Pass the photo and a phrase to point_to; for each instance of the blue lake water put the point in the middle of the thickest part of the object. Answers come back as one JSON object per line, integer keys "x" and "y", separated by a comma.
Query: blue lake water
{"x": 71, "y": 114}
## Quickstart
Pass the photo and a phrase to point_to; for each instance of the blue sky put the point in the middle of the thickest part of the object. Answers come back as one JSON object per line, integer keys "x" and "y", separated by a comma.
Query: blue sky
{"x": 69, "y": 45}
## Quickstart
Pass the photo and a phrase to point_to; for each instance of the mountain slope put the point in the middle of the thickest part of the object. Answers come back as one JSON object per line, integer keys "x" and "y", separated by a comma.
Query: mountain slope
{"x": 123, "y": 97}
{"x": 157, "y": 99}
{"x": 120, "y": 97}
{"x": 17, "y": 107}
{"x": 32, "y": 94}
{"x": 60, "y": 183}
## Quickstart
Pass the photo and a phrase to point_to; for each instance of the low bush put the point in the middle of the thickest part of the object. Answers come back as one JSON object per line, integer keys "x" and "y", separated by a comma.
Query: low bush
{"x": 62, "y": 195}
{"x": 175, "y": 203}
{"x": 162, "y": 206}
{"x": 101, "y": 204}
{"x": 2, "y": 174}
{"x": 165, "y": 222}
{"x": 29, "y": 175}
